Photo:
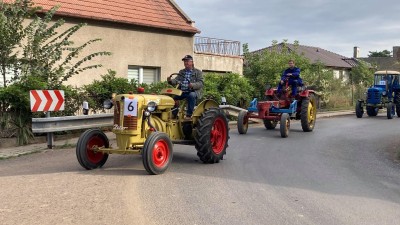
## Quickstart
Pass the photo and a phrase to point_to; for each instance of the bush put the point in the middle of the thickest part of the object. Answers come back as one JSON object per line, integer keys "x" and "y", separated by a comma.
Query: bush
{"x": 235, "y": 88}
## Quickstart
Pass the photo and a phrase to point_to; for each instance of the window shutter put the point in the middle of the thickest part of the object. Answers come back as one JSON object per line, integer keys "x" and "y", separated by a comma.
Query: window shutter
{"x": 133, "y": 73}
{"x": 150, "y": 75}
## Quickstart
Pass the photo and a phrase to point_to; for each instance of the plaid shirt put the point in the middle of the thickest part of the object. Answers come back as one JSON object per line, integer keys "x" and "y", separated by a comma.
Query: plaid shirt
{"x": 186, "y": 81}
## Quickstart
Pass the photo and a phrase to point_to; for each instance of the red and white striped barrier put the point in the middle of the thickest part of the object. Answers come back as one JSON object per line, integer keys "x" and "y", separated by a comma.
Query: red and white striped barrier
{"x": 46, "y": 100}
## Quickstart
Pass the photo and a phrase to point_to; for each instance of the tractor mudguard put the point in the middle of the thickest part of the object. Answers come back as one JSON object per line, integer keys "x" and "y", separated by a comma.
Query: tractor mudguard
{"x": 306, "y": 93}
{"x": 205, "y": 104}
{"x": 270, "y": 92}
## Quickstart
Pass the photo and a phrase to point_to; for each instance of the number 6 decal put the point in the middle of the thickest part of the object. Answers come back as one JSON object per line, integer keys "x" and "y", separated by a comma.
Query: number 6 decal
{"x": 130, "y": 107}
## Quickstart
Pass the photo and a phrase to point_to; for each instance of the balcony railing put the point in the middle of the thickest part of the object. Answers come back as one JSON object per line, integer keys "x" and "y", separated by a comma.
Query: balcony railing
{"x": 216, "y": 46}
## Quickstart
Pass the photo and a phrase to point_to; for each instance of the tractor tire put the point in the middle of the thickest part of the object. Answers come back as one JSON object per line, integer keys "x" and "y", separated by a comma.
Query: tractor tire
{"x": 285, "y": 125}
{"x": 270, "y": 124}
{"x": 372, "y": 111}
{"x": 397, "y": 103}
{"x": 212, "y": 135}
{"x": 157, "y": 153}
{"x": 390, "y": 110}
{"x": 243, "y": 122}
{"x": 359, "y": 109}
{"x": 308, "y": 113}
{"x": 88, "y": 158}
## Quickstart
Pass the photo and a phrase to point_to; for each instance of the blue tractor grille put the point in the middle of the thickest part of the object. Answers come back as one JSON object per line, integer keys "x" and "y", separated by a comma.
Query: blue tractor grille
{"x": 373, "y": 96}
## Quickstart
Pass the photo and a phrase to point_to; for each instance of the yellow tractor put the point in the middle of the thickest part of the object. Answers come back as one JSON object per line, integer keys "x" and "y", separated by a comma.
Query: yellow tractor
{"x": 146, "y": 124}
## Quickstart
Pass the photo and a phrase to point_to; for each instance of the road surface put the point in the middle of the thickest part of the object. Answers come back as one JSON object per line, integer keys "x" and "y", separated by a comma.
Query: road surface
{"x": 342, "y": 173}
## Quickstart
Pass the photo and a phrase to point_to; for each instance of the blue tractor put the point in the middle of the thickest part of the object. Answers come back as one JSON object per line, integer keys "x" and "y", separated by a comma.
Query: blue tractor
{"x": 385, "y": 93}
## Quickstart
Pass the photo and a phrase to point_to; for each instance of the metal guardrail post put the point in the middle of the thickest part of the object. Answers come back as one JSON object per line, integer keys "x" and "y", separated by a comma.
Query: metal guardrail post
{"x": 50, "y": 135}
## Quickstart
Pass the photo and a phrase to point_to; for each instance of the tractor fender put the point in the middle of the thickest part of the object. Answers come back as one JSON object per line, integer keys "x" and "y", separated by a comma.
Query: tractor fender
{"x": 306, "y": 93}
{"x": 269, "y": 92}
{"x": 205, "y": 104}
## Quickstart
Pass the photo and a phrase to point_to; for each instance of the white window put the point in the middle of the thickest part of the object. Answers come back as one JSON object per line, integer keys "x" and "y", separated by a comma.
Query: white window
{"x": 145, "y": 75}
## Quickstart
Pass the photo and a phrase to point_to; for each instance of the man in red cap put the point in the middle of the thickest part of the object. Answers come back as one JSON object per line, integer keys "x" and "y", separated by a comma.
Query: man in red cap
{"x": 191, "y": 83}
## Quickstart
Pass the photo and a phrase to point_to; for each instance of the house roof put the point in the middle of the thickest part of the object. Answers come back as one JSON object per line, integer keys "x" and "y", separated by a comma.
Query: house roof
{"x": 316, "y": 54}
{"x": 383, "y": 63}
{"x": 164, "y": 14}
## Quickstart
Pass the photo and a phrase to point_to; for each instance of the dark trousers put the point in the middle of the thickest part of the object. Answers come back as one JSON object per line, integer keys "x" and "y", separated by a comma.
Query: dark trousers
{"x": 191, "y": 101}
{"x": 293, "y": 83}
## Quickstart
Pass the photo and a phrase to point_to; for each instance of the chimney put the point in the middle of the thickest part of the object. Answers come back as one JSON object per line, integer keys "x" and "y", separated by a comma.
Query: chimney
{"x": 356, "y": 53}
{"x": 396, "y": 52}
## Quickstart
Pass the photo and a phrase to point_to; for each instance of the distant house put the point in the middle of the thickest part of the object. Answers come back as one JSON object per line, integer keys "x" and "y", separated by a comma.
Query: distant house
{"x": 147, "y": 38}
{"x": 382, "y": 63}
{"x": 340, "y": 65}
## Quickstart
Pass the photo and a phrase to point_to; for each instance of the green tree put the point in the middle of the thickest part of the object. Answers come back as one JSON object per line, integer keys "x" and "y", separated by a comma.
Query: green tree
{"x": 267, "y": 66}
{"x": 12, "y": 33}
{"x": 236, "y": 89}
{"x": 40, "y": 58}
{"x": 361, "y": 77}
{"x": 384, "y": 53}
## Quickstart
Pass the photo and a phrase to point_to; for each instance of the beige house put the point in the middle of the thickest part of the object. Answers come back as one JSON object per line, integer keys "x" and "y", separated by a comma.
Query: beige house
{"x": 147, "y": 39}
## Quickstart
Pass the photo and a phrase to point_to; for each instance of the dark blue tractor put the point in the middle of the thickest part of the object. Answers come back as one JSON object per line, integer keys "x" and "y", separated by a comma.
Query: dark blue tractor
{"x": 384, "y": 94}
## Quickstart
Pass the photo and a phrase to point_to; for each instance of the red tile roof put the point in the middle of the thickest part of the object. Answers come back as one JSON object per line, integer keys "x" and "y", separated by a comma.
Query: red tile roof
{"x": 163, "y": 14}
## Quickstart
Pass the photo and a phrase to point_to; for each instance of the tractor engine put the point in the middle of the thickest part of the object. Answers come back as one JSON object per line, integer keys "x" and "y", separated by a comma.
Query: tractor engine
{"x": 131, "y": 112}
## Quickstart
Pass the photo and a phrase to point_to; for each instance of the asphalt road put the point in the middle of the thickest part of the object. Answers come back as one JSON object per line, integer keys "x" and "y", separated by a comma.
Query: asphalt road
{"x": 342, "y": 173}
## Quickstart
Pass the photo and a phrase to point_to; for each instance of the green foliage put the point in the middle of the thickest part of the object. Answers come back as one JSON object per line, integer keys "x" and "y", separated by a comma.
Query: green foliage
{"x": 267, "y": 67}
{"x": 12, "y": 32}
{"x": 361, "y": 77}
{"x": 40, "y": 58}
{"x": 384, "y": 53}
{"x": 235, "y": 88}
{"x": 100, "y": 90}
{"x": 51, "y": 56}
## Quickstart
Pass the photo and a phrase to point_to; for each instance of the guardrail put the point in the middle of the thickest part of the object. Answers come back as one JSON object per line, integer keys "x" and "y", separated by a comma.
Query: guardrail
{"x": 54, "y": 124}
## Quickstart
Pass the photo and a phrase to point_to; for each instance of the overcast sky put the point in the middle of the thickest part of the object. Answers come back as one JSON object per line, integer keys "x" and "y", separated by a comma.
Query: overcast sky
{"x": 334, "y": 25}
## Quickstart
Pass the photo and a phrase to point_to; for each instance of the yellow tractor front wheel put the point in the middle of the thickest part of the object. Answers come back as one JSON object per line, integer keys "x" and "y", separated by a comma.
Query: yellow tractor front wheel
{"x": 308, "y": 113}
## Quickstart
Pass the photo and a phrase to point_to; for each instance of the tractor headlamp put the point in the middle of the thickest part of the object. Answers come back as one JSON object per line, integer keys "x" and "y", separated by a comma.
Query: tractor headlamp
{"x": 151, "y": 106}
{"x": 384, "y": 93}
{"x": 108, "y": 104}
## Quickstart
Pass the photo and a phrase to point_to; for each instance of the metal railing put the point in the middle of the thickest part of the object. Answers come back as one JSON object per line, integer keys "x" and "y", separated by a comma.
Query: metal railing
{"x": 54, "y": 124}
{"x": 216, "y": 46}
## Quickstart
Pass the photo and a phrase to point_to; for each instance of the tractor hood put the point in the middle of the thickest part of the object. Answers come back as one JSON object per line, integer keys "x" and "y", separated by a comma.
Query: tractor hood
{"x": 162, "y": 101}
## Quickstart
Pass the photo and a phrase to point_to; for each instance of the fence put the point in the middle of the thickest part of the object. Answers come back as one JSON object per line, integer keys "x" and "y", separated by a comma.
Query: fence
{"x": 216, "y": 46}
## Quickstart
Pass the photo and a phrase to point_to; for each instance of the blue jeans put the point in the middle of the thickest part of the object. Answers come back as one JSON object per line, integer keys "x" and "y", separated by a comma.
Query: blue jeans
{"x": 191, "y": 101}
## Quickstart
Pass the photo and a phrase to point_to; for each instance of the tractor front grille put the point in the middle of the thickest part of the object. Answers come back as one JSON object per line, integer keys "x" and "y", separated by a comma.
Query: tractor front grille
{"x": 117, "y": 113}
{"x": 130, "y": 122}
{"x": 373, "y": 94}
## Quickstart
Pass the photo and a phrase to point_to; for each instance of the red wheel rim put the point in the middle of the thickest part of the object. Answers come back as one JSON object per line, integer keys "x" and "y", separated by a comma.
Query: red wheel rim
{"x": 218, "y": 135}
{"x": 94, "y": 157}
{"x": 160, "y": 153}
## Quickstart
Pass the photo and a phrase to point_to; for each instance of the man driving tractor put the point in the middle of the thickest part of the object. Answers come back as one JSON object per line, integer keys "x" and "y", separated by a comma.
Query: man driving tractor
{"x": 292, "y": 76}
{"x": 191, "y": 83}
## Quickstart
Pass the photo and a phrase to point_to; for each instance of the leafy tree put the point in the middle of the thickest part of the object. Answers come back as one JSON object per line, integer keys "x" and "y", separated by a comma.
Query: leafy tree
{"x": 361, "y": 77}
{"x": 100, "y": 90}
{"x": 236, "y": 89}
{"x": 267, "y": 66}
{"x": 12, "y": 32}
{"x": 384, "y": 53}
{"x": 40, "y": 57}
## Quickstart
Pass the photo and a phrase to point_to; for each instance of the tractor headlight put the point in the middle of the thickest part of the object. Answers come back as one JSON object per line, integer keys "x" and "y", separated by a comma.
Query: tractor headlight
{"x": 108, "y": 104}
{"x": 151, "y": 106}
{"x": 384, "y": 93}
